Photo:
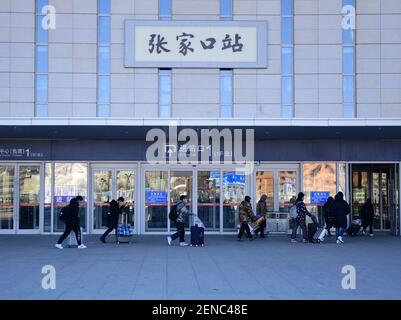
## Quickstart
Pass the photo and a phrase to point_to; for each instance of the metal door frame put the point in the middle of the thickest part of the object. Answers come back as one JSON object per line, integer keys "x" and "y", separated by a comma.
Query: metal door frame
{"x": 113, "y": 167}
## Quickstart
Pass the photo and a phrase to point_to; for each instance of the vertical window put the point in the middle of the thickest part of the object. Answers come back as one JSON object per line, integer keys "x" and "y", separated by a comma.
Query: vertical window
{"x": 165, "y": 93}
{"x": 226, "y": 93}
{"x": 41, "y": 63}
{"x": 103, "y": 61}
{"x": 226, "y": 9}
{"x": 165, "y": 9}
{"x": 349, "y": 101}
{"x": 287, "y": 58}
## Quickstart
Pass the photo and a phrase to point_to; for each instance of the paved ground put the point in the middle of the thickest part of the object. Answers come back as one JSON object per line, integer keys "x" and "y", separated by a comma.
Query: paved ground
{"x": 269, "y": 268}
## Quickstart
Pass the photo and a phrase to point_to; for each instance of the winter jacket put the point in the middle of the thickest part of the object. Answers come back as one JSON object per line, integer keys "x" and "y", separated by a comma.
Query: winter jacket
{"x": 302, "y": 211}
{"x": 341, "y": 210}
{"x": 114, "y": 214}
{"x": 328, "y": 209}
{"x": 368, "y": 213}
{"x": 245, "y": 212}
{"x": 261, "y": 207}
{"x": 182, "y": 210}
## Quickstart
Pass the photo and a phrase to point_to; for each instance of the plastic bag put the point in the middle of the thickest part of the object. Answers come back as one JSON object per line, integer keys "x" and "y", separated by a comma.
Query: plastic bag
{"x": 198, "y": 222}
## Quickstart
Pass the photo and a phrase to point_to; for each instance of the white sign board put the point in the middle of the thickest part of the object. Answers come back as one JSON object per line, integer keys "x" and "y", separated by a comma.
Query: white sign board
{"x": 195, "y": 44}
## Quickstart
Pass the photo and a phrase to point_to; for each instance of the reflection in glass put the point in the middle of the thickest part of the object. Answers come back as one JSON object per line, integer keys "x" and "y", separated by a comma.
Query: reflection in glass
{"x": 349, "y": 89}
{"x": 104, "y": 30}
{"x": 104, "y": 89}
{"x": 287, "y": 187}
{"x": 286, "y": 60}
{"x": 286, "y": 90}
{"x": 104, "y": 6}
{"x": 319, "y": 177}
{"x": 41, "y": 33}
{"x": 6, "y": 197}
{"x": 104, "y": 60}
{"x": 165, "y": 9}
{"x": 126, "y": 189}
{"x": 233, "y": 194}
{"x": 156, "y": 201}
{"x": 70, "y": 180}
{"x": 41, "y": 59}
{"x": 181, "y": 184}
{"x": 102, "y": 195}
{"x": 226, "y": 9}
{"x": 265, "y": 185}
{"x": 226, "y": 93}
{"x": 348, "y": 60}
{"x": 165, "y": 93}
{"x": 209, "y": 199}
{"x": 29, "y": 188}
{"x": 286, "y": 31}
{"x": 48, "y": 198}
{"x": 41, "y": 88}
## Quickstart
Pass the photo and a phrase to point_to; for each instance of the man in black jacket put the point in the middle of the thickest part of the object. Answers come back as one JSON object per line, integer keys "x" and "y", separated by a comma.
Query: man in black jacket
{"x": 72, "y": 222}
{"x": 116, "y": 208}
{"x": 368, "y": 215}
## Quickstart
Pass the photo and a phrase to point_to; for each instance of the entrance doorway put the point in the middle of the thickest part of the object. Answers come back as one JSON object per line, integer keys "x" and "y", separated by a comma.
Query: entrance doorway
{"x": 110, "y": 183}
{"x": 379, "y": 183}
{"x": 280, "y": 185}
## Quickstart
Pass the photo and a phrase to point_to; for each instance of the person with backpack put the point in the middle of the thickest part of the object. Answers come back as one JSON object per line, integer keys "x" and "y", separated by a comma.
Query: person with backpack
{"x": 246, "y": 215}
{"x": 301, "y": 212}
{"x": 261, "y": 209}
{"x": 115, "y": 210}
{"x": 368, "y": 215}
{"x": 70, "y": 216}
{"x": 177, "y": 215}
{"x": 341, "y": 210}
{"x": 328, "y": 214}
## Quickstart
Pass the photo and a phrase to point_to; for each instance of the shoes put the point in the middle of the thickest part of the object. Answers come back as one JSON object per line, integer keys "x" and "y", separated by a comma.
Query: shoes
{"x": 263, "y": 236}
{"x": 169, "y": 239}
{"x": 102, "y": 239}
{"x": 251, "y": 238}
{"x": 239, "y": 239}
{"x": 82, "y": 246}
{"x": 294, "y": 241}
{"x": 305, "y": 241}
{"x": 183, "y": 244}
{"x": 58, "y": 246}
{"x": 363, "y": 232}
{"x": 371, "y": 235}
{"x": 340, "y": 239}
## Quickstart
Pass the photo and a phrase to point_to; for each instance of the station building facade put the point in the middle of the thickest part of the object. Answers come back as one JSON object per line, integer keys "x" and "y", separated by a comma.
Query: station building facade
{"x": 82, "y": 83}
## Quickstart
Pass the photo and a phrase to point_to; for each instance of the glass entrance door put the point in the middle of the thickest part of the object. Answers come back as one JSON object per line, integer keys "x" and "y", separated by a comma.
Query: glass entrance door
{"x": 181, "y": 184}
{"x": 108, "y": 184}
{"x": 29, "y": 197}
{"x": 280, "y": 186}
{"x": 7, "y": 173}
{"x": 377, "y": 183}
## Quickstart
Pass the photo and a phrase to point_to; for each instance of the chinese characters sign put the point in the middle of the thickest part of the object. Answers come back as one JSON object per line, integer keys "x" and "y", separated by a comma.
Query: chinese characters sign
{"x": 19, "y": 153}
{"x": 200, "y": 44}
{"x": 319, "y": 197}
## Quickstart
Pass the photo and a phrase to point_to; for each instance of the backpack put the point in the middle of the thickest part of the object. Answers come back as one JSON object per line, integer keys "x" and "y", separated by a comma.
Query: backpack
{"x": 173, "y": 215}
{"x": 64, "y": 214}
{"x": 293, "y": 212}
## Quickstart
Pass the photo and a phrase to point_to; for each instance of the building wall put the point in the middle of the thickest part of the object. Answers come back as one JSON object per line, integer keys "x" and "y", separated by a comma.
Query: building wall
{"x": 256, "y": 92}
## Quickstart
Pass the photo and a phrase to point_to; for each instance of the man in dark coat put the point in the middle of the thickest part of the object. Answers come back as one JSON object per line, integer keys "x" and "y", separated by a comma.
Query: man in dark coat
{"x": 72, "y": 222}
{"x": 341, "y": 210}
{"x": 368, "y": 214}
{"x": 328, "y": 214}
{"x": 116, "y": 208}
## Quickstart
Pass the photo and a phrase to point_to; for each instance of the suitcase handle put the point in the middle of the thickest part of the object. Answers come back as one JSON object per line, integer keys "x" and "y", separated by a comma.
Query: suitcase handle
{"x": 126, "y": 218}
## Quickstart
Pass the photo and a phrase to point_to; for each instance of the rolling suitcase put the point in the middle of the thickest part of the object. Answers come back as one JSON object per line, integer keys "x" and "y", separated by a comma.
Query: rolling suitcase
{"x": 353, "y": 229}
{"x": 197, "y": 236}
{"x": 319, "y": 235}
{"x": 124, "y": 232}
